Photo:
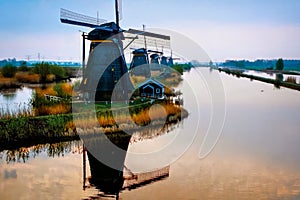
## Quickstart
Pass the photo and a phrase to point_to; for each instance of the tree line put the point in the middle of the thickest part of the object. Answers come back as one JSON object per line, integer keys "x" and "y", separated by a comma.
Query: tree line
{"x": 279, "y": 64}
{"x": 42, "y": 69}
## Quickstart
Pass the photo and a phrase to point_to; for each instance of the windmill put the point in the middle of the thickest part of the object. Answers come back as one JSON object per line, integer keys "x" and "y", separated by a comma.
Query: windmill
{"x": 106, "y": 64}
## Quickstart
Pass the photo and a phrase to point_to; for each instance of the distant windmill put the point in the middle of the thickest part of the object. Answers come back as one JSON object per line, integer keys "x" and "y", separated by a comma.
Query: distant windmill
{"x": 111, "y": 38}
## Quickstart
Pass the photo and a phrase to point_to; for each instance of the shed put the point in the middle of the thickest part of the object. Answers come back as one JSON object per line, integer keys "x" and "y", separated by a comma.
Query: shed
{"x": 152, "y": 89}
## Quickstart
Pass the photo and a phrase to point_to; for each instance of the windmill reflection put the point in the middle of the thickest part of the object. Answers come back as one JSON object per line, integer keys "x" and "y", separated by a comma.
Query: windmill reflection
{"x": 108, "y": 179}
{"x": 111, "y": 182}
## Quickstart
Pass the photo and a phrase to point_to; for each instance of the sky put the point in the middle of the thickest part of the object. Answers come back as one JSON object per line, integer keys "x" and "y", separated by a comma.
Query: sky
{"x": 229, "y": 29}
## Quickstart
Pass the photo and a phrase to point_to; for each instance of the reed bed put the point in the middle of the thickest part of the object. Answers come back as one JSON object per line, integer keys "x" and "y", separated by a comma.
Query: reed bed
{"x": 31, "y": 130}
{"x": 46, "y": 121}
{"x": 26, "y": 77}
{"x": 140, "y": 115}
{"x": 42, "y": 106}
{"x": 7, "y": 83}
{"x": 20, "y": 110}
{"x": 291, "y": 79}
{"x": 26, "y": 130}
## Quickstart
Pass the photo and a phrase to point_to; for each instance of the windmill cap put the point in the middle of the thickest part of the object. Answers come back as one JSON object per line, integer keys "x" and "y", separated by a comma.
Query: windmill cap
{"x": 105, "y": 31}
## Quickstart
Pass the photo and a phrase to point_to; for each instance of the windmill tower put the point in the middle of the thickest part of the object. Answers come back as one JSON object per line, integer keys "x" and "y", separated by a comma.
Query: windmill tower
{"x": 106, "y": 64}
{"x": 106, "y": 70}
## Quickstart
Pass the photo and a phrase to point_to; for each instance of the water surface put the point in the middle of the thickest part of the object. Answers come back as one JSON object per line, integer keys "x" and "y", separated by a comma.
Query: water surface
{"x": 255, "y": 157}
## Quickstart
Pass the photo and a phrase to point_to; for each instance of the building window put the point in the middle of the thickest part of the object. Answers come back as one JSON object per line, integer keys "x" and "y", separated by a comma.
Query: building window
{"x": 157, "y": 90}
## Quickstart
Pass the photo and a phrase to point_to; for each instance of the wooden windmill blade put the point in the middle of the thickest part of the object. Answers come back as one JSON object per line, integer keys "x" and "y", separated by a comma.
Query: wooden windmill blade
{"x": 149, "y": 34}
{"x": 153, "y": 40}
{"x": 70, "y": 17}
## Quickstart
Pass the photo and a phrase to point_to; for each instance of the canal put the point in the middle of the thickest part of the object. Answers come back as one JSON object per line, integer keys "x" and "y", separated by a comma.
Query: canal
{"x": 241, "y": 140}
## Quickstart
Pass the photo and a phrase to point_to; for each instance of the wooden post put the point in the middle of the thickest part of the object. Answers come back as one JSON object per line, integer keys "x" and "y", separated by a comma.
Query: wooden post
{"x": 83, "y": 53}
{"x": 84, "y": 165}
{"x": 117, "y": 13}
{"x": 144, "y": 29}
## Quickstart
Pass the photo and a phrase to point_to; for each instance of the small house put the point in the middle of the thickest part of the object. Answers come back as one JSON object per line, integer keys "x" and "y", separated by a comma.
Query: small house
{"x": 152, "y": 89}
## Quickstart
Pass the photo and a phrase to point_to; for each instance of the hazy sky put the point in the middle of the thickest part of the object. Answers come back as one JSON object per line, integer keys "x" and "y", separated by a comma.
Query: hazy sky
{"x": 232, "y": 29}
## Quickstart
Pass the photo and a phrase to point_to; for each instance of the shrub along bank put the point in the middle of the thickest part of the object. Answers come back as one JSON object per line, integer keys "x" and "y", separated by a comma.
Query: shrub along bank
{"x": 23, "y": 131}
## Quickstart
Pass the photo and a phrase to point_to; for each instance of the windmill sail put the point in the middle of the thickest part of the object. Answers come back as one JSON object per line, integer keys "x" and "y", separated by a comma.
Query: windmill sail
{"x": 106, "y": 70}
{"x": 69, "y": 17}
{"x": 153, "y": 40}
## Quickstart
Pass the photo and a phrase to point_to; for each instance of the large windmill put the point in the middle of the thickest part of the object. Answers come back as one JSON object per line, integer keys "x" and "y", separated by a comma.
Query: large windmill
{"x": 106, "y": 64}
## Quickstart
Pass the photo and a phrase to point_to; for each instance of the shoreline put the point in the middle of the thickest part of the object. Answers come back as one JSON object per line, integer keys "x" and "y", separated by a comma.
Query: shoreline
{"x": 19, "y": 132}
{"x": 277, "y": 83}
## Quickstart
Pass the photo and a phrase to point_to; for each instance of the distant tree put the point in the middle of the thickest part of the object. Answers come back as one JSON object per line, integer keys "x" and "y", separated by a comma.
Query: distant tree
{"x": 279, "y": 64}
{"x": 240, "y": 64}
{"x": 178, "y": 68}
{"x": 23, "y": 67}
{"x": 59, "y": 72}
{"x": 9, "y": 70}
{"x": 43, "y": 69}
{"x": 211, "y": 63}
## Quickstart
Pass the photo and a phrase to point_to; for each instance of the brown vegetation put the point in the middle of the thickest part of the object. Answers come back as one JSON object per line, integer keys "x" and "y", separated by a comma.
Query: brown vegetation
{"x": 26, "y": 77}
{"x": 59, "y": 108}
{"x": 105, "y": 118}
{"x": 6, "y": 83}
{"x": 43, "y": 106}
{"x": 291, "y": 79}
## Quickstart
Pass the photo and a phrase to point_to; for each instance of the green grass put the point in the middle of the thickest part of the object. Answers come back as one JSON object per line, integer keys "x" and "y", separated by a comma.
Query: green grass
{"x": 23, "y": 130}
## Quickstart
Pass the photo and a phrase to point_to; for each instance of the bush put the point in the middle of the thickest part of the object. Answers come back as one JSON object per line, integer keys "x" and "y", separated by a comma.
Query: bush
{"x": 26, "y": 77}
{"x": 279, "y": 64}
{"x": 9, "y": 71}
{"x": 43, "y": 70}
{"x": 178, "y": 68}
{"x": 59, "y": 72}
{"x": 23, "y": 67}
{"x": 63, "y": 90}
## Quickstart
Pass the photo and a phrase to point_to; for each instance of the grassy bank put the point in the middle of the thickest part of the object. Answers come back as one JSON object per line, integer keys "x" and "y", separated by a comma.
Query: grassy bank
{"x": 20, "y": 131}
{"x": 277, "y": 83}
{"x": 29, "y": 130}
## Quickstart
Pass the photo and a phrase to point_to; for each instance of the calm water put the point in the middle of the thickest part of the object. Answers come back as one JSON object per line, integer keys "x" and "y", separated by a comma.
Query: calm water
{"x": 271, "y": 75}
{"x": 240, "y": 141}
{"x": 15, "y": 100}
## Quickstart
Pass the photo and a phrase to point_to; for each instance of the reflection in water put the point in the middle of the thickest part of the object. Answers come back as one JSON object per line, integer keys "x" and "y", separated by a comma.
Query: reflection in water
{"x": 291, "y": 79}
{"x": 257, "y": 156}
{"x": 108, "y": 182}
{"x": 23, "y": 154}
{"x": 279, "y": 77}
{"x": 111, "y": 180}
{"x": 107, "y": 179}
{"x": 153, "y": 132}
{"x": 136, "y": 180}
{"x": 9, "y": 96}
{"x": 10, "y": 174}
{"x": 15, "y": 100}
